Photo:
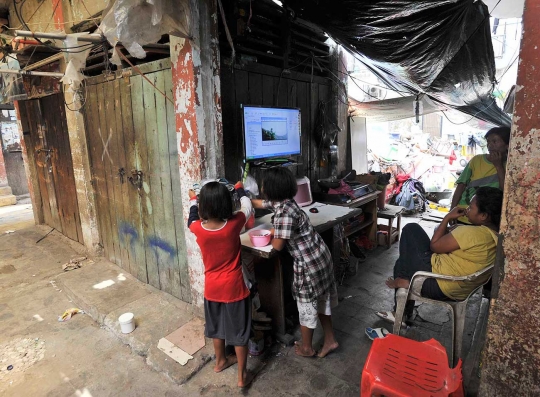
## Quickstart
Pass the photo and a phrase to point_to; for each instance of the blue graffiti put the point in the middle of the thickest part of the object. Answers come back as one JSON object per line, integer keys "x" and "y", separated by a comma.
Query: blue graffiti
{"x": 126, "y": 229}
{"x": 155, "y": 242}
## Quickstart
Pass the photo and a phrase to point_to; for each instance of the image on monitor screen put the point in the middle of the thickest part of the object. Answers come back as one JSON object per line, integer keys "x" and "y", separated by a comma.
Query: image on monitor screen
{"x": 271, "y": 132}
{"x": 274, "y": 129}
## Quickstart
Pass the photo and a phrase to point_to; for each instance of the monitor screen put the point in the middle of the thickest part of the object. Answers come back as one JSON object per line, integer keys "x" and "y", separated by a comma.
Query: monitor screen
{"x": 271, "y": 132}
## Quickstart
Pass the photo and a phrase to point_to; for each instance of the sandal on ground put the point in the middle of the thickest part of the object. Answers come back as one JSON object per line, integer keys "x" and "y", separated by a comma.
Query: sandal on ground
{"x": 389, "y": 316}
{"x": 376, "y": 333}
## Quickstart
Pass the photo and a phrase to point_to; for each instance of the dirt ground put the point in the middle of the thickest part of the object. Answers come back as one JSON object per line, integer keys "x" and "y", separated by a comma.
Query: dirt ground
{"x": 80, "y": 358}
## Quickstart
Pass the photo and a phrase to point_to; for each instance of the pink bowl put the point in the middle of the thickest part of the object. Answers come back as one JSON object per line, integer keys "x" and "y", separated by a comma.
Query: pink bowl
{"x": 260, "y": 237}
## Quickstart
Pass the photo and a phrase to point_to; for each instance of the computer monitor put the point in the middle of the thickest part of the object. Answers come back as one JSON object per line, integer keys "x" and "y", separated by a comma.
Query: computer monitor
{"x": 271, "y": 132}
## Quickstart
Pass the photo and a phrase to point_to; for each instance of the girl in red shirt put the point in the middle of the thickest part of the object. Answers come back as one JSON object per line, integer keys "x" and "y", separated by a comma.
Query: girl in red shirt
{"x": 227, "y": 305}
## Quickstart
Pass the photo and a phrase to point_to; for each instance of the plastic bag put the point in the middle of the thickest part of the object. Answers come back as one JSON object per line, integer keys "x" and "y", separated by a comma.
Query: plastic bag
{"x": 77, "y": 61}
{"x": 135, "y": 23}
{"x": 251, "y": 187}
{"x": 440, "y": 48}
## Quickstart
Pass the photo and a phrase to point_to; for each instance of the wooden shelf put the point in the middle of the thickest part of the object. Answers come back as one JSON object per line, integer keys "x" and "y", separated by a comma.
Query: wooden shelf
{"x": 361, "y": 226}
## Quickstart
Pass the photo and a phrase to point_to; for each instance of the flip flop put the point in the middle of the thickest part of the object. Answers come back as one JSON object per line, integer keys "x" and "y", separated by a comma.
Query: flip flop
{"x": 389, "y": 316}
{"x": 375, "y": 333}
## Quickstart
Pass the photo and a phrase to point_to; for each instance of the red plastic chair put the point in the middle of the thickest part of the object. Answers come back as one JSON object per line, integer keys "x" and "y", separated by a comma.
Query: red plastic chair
{"x": 401, "y": 367}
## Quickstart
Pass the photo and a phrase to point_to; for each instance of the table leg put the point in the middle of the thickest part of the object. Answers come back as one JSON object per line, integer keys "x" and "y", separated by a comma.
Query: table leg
{"x": 398, "y": 226}
{"x": 389, "y": 235}
{"x": 269, "y": 276}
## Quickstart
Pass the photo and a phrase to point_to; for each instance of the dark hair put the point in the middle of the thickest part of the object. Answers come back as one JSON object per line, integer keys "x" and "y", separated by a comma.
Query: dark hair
{"x": 489, "y": 201}
{"x": 215, "y": 202}
{"x": 279, "y": 184}
{"x": 501, "y": 132}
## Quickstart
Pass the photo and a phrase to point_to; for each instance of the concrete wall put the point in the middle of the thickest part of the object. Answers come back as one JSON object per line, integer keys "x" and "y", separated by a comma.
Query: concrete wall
{"x": 512, "y": 354}
{"x": 15, "y": 173}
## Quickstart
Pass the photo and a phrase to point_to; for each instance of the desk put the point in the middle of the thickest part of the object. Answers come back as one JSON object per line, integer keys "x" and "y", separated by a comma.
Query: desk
{"x": 368, "y": 203}
{"x": 269, "y": 272}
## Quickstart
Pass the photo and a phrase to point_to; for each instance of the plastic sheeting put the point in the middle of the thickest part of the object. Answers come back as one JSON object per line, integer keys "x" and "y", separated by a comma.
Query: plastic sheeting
{"x": 77, "y": 61}
{"x": 438, "y": 47}
{"x": 135, "y": 23}
{"x": 391, "y": 109}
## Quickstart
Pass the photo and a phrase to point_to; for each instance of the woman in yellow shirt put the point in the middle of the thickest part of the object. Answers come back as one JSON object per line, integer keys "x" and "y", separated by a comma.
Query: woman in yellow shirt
{"x": 462, "y": 251}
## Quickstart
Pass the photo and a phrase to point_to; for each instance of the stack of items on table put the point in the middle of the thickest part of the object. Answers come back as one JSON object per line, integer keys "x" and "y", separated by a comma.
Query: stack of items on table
{"x": 410, "y": 194}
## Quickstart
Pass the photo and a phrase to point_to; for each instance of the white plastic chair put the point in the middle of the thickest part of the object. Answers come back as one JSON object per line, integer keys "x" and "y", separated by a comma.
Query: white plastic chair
{"x": 458, "y": 308}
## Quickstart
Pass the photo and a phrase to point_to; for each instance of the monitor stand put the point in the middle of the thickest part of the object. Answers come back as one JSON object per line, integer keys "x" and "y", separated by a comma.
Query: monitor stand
{"x": 277, "y": 162}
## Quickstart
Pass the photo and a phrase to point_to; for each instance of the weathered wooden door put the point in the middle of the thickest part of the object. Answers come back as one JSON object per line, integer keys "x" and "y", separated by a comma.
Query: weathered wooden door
{"x": 134, "y": 158}
{"x": 48, "y": 143}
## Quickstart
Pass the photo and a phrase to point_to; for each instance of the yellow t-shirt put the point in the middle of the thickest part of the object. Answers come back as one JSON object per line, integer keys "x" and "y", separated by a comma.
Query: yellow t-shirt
{"x": 479, "y": 172}
{"x": 477, "y": 249}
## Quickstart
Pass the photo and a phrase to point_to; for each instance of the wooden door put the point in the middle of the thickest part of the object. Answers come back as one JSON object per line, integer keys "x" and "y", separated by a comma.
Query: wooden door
{"x": 48, "y": 144}
{"x": 131, "y": 133}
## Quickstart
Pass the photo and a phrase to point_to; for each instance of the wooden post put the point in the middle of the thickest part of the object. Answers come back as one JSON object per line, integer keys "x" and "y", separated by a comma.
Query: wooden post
{"x": 512, "y": 352}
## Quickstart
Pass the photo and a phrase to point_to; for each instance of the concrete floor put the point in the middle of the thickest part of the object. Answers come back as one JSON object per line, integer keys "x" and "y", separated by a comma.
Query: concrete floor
{"x": 83, "y": 358}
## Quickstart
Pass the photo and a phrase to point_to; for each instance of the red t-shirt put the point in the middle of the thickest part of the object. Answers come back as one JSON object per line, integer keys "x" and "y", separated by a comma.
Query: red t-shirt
{"x": 224, "y": 281}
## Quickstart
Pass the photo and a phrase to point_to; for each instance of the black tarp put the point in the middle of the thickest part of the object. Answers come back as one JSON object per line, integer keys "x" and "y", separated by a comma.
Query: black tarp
{"x": 438, "y": 47}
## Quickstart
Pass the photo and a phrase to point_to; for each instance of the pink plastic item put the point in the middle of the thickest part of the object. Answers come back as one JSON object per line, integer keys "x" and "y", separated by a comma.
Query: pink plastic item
{"x": 260, "y": 237}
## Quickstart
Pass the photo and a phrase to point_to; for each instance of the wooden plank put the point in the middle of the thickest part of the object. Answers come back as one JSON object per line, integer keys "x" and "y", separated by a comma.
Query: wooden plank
{"x": 95, "y": 148}
{"x": 131, "y": 230}
{"x": 31, "y": 169}
{"x": 303, "y": 104}
{"x": 31, "y": 107}
{"x": 255, "y": 93}
{"x": 241, "y": 89}
{"x": 141, "y": 156}
{"x": 182, "y": 287}
{"x": 314, "y": 152}
{"x": 64, "y": 179}
{"x": 163, "y": 243}
{"x": 45, "y": 163}
{"x": 120, "y": 185}
{"x": 230, "y": 114}
{"x": 276, "y": 72}
{"x": 324, "y": 92}
{"x": 104, "y": 137}
{"x": 111, "y": 166}
{"x": 268, "y": 83}
{"x": 149, "y": 204}
{"x": 281, "y": 92}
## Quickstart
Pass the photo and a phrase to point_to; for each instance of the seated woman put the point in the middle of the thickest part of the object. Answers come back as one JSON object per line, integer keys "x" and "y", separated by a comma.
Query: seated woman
{"x": 460, "y": 252}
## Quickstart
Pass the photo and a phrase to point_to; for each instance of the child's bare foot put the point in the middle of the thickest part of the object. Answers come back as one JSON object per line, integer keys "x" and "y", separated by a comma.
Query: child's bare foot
{"x": 397, "y": 283}
{"x": 327, "y": 349}
{"x": 302, "y": 350}
{"x": 246, "y": 379}
{"x": 230, "y": 360}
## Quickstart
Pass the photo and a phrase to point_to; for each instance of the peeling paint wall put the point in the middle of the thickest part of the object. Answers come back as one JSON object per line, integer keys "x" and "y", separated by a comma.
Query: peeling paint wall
{"x": 512, "y": 353}
{"x": 189, "y": 154}
{"x": 3, "y": 173}
{"x": 198, "y": 119}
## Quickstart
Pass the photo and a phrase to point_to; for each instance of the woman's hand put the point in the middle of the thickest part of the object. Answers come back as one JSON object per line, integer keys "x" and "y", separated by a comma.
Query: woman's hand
{"x": 456, "y": 213}
{"x": 496, "y": 158}
{"x": 192, "y": 194}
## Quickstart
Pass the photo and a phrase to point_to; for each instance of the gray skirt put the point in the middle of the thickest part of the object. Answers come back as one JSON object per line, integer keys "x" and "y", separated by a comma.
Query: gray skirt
{"x": 228, "y": 321}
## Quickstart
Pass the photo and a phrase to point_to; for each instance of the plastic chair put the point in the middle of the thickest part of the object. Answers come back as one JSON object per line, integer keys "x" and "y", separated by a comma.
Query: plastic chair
{"x": 397, "y": 366}
{"x": 457, "y": 308}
